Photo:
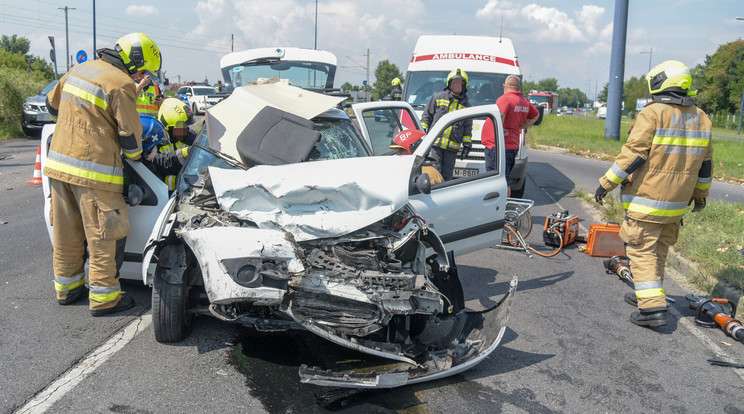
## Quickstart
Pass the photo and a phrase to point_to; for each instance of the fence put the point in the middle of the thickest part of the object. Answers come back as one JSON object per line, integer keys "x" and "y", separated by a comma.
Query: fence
{"x": 724, "y": 120}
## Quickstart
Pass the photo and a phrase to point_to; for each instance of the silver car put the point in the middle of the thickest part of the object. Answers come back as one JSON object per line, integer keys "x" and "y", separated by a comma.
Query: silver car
{"x": 35, "y": 113}
{"x": 281, "y": 220}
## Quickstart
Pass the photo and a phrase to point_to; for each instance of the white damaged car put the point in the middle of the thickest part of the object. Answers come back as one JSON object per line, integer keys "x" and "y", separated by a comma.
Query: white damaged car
{"x": 282, "y": 221}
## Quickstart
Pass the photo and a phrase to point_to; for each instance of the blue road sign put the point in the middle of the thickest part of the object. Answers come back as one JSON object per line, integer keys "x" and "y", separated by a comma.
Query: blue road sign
{"x": 81, "y": 56}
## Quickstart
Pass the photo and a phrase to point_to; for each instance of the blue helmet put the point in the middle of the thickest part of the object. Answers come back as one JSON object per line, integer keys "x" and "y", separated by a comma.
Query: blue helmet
{"x": 153, "y": 133}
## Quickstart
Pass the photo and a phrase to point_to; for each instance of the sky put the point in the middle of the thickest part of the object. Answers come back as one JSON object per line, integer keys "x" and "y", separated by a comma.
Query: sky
{"x": 569, "y": 40}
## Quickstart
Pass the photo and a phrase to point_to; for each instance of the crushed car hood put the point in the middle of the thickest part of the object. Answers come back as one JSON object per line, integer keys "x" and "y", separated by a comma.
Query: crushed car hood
{"x": 227, "y": 119}
{"x": 315, "y": 199}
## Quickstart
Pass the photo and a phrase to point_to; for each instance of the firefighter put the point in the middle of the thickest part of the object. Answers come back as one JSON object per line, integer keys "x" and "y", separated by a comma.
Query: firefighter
{"x": 664, "y": 167}
{"x": 149, "y": 97}
{"x": 163, "y": 164}
{"x": 96, "y": 122}
{"x": 456, "y": 137}
{"x": 396, "y": 94}
{"x": 176, "y": 116}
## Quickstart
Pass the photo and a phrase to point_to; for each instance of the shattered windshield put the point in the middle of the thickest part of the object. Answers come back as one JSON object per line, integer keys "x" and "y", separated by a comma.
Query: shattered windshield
{"x": 198, "y": 161}
{"x": 338, "y": 139}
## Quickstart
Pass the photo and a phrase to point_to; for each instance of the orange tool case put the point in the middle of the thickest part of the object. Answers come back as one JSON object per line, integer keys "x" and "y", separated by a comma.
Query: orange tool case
{"x": 604, "y": 240}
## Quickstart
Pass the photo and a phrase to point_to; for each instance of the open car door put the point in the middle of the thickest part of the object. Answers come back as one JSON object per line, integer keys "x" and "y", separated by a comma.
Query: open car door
{"x": 466, "y": 212}
{"x": 141, "y": 217}
{"x": 379, "y": 122}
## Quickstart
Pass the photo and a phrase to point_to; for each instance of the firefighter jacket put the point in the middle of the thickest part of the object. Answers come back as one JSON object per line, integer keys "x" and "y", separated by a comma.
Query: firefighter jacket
{"x": 458, "y": 133}
{"x": 396, "y": 94}
{"x": 666, "y": 162}
{"x": 168, "y": 163}
{"x": 146, "y": 100}
{"x": 96, "y": 121}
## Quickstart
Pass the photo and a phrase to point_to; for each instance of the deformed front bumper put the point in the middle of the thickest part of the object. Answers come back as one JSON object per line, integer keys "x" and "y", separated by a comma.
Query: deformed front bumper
{"x": 470, "y": 337}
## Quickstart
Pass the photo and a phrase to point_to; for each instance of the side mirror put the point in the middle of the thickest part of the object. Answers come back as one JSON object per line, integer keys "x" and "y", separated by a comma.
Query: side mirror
{"x": 423, "y": 183}
{"x": 135, "y": 195}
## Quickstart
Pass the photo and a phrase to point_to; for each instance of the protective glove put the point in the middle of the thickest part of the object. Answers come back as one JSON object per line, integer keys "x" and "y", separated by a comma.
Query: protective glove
{"x": 599, "y": 195}
{"x": 699, "y": 204}
{"x": 465, "y": 151}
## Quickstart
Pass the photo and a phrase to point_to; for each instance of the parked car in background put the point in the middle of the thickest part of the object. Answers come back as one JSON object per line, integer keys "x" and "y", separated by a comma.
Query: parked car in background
{"x": 602, "y": 112}
{"x": 35, "y": 113}
{"x": 199, "y": 98}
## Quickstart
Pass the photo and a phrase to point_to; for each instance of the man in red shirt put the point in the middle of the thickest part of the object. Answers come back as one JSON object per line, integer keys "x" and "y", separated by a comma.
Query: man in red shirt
{"x": 517, "y": 113}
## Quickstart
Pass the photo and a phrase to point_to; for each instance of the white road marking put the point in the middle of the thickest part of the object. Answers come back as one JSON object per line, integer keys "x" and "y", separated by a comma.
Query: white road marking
{"x": 45, "y": 399}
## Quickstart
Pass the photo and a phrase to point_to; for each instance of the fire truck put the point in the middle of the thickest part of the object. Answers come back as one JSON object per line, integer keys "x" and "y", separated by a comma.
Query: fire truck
{"x": 548, "y": 100}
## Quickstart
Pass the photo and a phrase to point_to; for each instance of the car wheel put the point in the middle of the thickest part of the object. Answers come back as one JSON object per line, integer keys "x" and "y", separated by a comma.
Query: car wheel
{"x": 170, "y": 316}
{"x": 194, "y": 109}
{"x": 27, "y": 132}
{"x": 518, "y": 193}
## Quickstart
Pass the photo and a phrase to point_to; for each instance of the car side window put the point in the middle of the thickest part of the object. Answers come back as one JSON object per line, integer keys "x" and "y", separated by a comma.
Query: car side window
{"x": 383, "y": 125}
{"x": 474, "y": 164}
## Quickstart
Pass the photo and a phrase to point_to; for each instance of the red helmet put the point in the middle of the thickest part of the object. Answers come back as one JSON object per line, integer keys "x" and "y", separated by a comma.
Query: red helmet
{"x": 408, "y": 140}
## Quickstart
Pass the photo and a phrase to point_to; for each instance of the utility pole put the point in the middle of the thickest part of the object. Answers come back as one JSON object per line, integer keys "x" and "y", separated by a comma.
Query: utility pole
{"x": 53, "y": 56}
{"x": 650, "y": 53}
{"x": 367, "y": 74}
{"x": 617, "y": 71}
{"x": 94, "y": 31}
{"x": 67, "y": 36}
{"x": 316, "y": 25}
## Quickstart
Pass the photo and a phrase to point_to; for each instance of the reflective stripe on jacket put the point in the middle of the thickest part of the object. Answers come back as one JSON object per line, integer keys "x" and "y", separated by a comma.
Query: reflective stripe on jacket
{"x": 146, "y": 99}
{"x": 170, "y": 179}
{"x": 443, "y": 103}
{"x": 96, "y": 123}
{"x": 667, "y": 161}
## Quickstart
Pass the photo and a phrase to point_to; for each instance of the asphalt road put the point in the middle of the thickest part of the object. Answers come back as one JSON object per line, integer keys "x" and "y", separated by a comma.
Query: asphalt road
{"x": 569, "y": 346}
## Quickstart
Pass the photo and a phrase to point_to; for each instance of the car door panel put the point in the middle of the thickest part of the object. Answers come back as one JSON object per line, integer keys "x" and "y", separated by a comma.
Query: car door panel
{"x": 468, "y": 212}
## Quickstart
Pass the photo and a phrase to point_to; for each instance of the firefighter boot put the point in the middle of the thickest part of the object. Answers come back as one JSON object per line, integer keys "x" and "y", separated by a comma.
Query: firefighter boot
{"x": 631, "y": 299}
{"x": 642, "y": 318}
{"x": 126, "y": 302}
{"x": 74, "y": 295}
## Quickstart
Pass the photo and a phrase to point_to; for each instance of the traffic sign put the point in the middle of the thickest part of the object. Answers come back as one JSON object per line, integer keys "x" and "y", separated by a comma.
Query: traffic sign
{"x": 81, "y": 56}
{"x": 364, "y": 82}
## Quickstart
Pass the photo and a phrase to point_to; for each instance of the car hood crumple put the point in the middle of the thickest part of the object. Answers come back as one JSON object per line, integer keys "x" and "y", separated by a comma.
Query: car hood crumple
{"x": 36, "y": 100}
{"x": 227, "y": 119}
{"x": 317, "y": 199}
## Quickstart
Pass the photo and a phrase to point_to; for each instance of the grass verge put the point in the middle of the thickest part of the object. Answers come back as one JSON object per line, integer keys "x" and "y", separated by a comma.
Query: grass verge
{"x": 585, "y": 136}
{"x": 713, "y": 239}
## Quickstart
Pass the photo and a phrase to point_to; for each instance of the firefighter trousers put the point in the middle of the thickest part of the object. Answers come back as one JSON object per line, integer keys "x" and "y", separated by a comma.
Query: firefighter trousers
{"x": 98, "y": 217}
{"x": 647, "y": 245}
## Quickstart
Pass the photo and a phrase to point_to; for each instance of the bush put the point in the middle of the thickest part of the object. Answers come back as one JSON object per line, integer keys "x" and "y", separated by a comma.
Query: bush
{"x": 15, "y": 86}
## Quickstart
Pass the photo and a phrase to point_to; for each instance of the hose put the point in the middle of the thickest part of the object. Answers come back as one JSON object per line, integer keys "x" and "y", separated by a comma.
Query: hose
{"x": 560, "y": 245}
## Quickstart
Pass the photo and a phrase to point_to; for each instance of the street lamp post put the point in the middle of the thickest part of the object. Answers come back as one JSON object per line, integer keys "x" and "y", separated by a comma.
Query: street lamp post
{"x": 650, "y": 54}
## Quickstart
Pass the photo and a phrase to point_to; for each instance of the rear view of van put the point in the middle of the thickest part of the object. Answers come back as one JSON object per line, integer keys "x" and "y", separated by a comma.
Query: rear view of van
{"x": 487, "y": 62}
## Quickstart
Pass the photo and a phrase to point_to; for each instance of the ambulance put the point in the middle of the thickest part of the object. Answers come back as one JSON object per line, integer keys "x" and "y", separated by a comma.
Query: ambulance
{"x": 487, "y": 61}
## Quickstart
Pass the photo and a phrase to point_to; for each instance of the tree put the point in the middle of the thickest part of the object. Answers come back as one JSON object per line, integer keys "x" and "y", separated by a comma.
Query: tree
{"x": 15, "y": 44}
{"x": 384, "y": 74}
{"x": 571, "y": 97}
{"x": 528, "y": 86}
{"x": 602, "y": 96}
{"x": 634, "y": 89}
{"x": 720, "y": 80}
{"x": 346, "y": 86}
{"x": 548, "y": 84}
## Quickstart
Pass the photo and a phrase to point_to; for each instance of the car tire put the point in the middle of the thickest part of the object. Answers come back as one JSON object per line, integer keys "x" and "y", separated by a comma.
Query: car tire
{"x": 194, "y": 109}
{"x": 27, "y": 132}
{"x": 171, "y": 320}
{"x": 518, "y": 193}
